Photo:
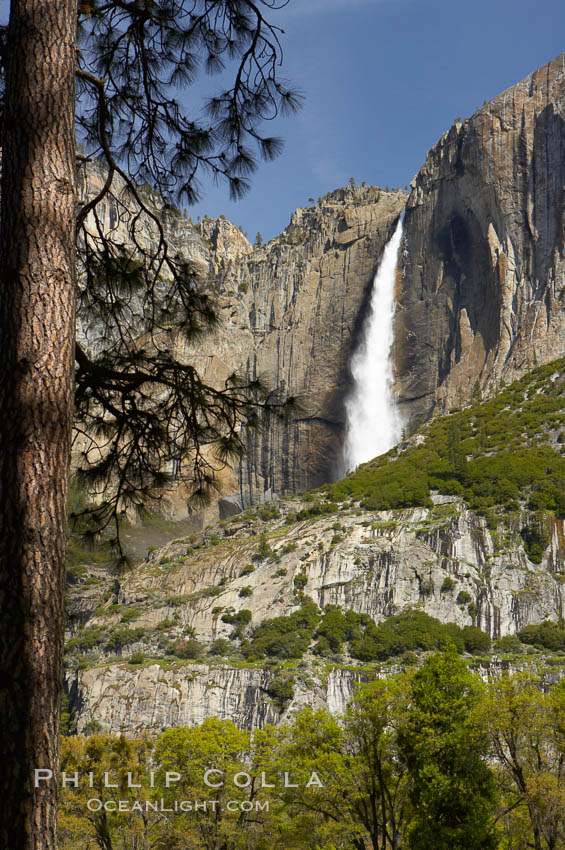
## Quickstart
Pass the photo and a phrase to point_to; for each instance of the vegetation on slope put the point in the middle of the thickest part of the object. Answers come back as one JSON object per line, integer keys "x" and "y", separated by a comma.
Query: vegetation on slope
{"x": 506, "y": 451}
{"x": 335, "y": 632}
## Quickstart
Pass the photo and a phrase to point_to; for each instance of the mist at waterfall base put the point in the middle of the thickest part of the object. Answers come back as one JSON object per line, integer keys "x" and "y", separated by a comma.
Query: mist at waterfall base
{"x": 373, "y": 425}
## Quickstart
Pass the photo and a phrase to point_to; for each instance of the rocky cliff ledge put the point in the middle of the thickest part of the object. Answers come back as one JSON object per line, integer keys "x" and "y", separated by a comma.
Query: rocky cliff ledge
{"x": 483, "y": 294}
{"x": 123, "y": 699}
{"x": 442, "y": 560}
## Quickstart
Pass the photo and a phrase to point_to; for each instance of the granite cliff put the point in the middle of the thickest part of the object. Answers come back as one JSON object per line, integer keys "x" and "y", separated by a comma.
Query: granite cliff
{"x": 443, "y": 560}
{"x": 481, "y": 286}
{"x": 290, "y": 310}
{"x": 483, "y": 295}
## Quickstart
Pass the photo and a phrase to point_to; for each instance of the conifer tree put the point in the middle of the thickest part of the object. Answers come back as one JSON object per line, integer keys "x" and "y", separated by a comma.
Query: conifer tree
{"x": 130, "y": 61}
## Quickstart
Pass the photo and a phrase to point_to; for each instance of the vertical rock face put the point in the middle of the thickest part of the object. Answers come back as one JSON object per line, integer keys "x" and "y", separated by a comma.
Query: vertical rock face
{"x": 290, "y": 310}
{"x": 483, "y": 291}
{"x": 122, "y": 700}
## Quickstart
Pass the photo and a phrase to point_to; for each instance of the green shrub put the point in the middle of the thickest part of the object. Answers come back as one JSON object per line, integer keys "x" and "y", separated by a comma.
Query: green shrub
{"x": 220, "y": 646}
{"x": 264, "y": 551}
{"x": 130, "y": 615}
{"x": 85, "y": 640}
{"x": 463, "y": 597}
{"x": 281, "y": 689}
{"x": 546, "y": 635}
{"x": 268, "y": 512}
{"x": 476, "y": 641}
{"x": 136, "y": 658}
{"x": 508, "y": 643}
{"x": 123, "y": 637}
{"x": 189, "y": 649}
{"x": 285, "y": 637}
{"x": 246, "y": 591}
{"x": 239, "y": 621}
{"x": 536, "y": 538}
{"x": 411, "y": 630}
{"x": 447, "y": 585}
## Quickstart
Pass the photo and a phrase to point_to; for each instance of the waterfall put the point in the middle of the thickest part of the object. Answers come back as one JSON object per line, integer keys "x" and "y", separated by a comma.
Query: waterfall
{"x": 373, "y": 425}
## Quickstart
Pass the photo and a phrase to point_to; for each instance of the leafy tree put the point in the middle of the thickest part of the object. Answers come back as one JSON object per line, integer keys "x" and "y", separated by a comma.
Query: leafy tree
{"x": 216, "y": 745}
{"x": 452, "y": 788}
{"x": 132, "y": 394}
{"x": 363, "y": 800}
{"x": 127, "y": 763}
{"x": 527, "y": 734}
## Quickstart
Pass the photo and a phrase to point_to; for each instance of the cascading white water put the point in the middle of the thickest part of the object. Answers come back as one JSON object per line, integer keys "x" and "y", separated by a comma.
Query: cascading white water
{"x": 373, "y": 425}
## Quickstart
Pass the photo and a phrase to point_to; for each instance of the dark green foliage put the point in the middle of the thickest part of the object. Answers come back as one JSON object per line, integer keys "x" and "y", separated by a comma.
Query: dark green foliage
{"x": 536, "y": 538}
{"x": 546, "y": 635}
{"x": 189, "y": 649}
{"x": 447, "y": 585}
{"x": 68, "y": 723}
{"x": 300, "y": 581}
{"x": 130, "y": 615}
{"x": 220, "y": 646}
{"x": 136, "y": 658}
{"x": 264, "y": 551}
{"x": 412, "y": 630}
{"x": 337, "y": 631}
{"x": 508, "y": 643}
{"x": 281, "y": 689}
{"x": 246, "y": 571}
{"x": 463, "y": 597}
{"x": 334, "y": 630}
{"x": 85, "y": 640}
{"x": 452, "y": 789}
{"x": 476, "y": 641}
{"x": 246, "y": 591}
{"x": 318, "y": 508}
{"x": 491, "y": 453}
{"x": 242, "y": 618}
{"x": 123, "y": 637}
{"x": 285, "y": 637}
{"x": 267, "y": 512}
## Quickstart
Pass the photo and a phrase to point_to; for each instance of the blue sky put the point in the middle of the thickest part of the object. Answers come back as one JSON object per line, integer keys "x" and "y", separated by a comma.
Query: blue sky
{"x": 383, "y": 79}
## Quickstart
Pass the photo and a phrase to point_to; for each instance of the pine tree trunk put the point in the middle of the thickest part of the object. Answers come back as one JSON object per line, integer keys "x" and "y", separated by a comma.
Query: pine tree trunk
{"x": 37, "y": 319}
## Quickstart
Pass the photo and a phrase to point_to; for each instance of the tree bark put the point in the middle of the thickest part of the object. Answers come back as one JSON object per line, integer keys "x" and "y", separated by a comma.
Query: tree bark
{"x": 37, "y": 325}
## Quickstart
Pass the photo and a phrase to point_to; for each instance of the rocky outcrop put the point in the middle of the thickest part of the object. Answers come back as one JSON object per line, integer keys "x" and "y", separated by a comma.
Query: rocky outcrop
{"x": 483, "y": 290}
{"x": 442, "y": 560}
{"x": 122, "y": 699}
{"x": 377, "y": 564}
